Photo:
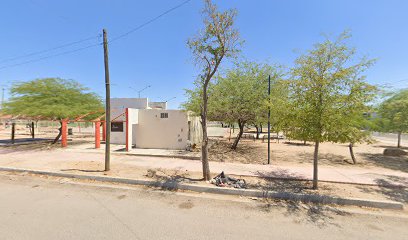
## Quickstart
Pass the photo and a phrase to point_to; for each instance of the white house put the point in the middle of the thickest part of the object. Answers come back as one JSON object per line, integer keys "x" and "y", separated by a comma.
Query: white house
{"x": 138, "y": 123}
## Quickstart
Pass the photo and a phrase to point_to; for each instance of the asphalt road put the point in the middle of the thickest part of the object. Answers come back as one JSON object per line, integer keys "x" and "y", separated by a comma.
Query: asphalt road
{"x": 33, "y": 207}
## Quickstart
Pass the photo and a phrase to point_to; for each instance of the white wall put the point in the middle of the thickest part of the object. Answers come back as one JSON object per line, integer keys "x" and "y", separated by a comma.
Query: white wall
{"x": 167, "y": 133}
{"x": 132, "y": 121}
{"x": 119, "y": 137}
{"x": 148, "y": 130}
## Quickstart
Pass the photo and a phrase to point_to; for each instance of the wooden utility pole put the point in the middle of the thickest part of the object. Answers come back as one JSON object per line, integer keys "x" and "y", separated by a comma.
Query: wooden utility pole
{"x": 269, "y": 120}
{"x": 107, "y": 102}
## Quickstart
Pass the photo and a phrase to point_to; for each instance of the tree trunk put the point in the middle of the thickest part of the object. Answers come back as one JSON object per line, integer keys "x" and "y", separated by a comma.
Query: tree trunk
{"x": 399, "y": 140}
{"x": 351, "y": 145}
{"x": 31, "y": 129}
{"x": 59, "y": 134}
{"x": 241, "y": 131}
{"x": 304, "y": 142}
{"x": 261, "y": 127}
{"x": 204, "y": 146}
{"x": 277, "y": 136}
{"x": 315, "y": 164}
{"x": 257, "y": 131}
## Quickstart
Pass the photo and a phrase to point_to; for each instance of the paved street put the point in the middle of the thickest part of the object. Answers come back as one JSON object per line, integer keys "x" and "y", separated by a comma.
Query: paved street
{"x": 33, "y": 207}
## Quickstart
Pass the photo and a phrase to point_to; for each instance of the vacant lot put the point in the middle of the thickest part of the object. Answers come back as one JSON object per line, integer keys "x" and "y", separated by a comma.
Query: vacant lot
{"x": 294, "y": 152}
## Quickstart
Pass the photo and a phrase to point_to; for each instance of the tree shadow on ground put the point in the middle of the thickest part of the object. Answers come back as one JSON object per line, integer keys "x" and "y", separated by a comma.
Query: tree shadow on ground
{"x": 282, "y": 177}
{"x": 220, "y": 151}
{"x": 170, "y": 179}
{"x": 394, "y": 193}
{"x": 298, "y": 144}
{"x": 378, "y": 159}
{"x": 283, "y": 180}
{"x": 316, "y": 214}
{"x": 328, "y": 159}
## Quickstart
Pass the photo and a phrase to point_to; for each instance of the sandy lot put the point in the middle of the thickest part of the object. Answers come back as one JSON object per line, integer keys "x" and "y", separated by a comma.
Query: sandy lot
{"x": 294, "y": 152}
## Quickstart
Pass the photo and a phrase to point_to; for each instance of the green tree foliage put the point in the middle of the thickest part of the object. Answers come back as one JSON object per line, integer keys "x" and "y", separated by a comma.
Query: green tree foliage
{"x": 394, "y": 114}
{"x": 241, "y": 96}
{"x": 326, "y": 92}
{"x": 218, "y": 40}
{"x": 52, "y": 99}
{"x": 278, "y": 103}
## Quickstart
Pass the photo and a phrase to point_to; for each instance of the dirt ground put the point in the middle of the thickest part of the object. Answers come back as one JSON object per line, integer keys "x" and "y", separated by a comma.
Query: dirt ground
{"x": 283, "y": 153}
{"x": 294, "y": 152}
{"x": 332, "y": 189}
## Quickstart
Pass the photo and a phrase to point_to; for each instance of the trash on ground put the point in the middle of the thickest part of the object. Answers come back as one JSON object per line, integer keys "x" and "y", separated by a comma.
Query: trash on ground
{"x": 221, "y": 180}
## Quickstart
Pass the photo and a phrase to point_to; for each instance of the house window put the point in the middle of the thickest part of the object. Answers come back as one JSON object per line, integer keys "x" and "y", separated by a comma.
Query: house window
{"x": 164, "y": 115}
{"x": 117, "y": 126}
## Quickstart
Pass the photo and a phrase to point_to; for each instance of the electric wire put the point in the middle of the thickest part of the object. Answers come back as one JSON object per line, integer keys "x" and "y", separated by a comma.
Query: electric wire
{"x": 149, "y": 21}
{"x": 83, "y": 40}
{"x": 50, "y": 56}
{"x": 49, "y": 50}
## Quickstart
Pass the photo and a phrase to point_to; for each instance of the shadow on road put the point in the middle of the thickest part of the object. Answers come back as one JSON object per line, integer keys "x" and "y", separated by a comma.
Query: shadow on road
{"x": 319, "y": 215}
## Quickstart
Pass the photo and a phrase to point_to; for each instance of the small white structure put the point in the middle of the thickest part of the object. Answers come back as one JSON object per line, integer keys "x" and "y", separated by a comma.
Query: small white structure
{"x": 138, "y": 123}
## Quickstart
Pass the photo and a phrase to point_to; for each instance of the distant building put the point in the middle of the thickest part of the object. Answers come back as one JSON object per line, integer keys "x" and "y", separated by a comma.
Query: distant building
{"x": 139, "y": 123}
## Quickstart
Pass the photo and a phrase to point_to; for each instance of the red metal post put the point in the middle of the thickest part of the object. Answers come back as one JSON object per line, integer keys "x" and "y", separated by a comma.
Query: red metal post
{"x": 64, "y": 137}
{"x": 127, "y": 129}
{"x": 97, "y": 134}
{"x": 104, "y": 131}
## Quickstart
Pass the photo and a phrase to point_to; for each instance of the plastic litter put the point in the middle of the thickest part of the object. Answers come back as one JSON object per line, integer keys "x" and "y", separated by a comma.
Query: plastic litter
{"x": 222, "y": 180}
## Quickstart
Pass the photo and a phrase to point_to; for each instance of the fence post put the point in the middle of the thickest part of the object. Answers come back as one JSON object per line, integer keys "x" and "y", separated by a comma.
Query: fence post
{"x": 98, "y": 134}
{"x": 32, "y": 130}
{"x": 64, "y": 140}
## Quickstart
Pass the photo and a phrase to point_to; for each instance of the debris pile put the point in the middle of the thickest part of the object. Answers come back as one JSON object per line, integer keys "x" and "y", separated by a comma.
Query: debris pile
{"x": 221, "y": 180}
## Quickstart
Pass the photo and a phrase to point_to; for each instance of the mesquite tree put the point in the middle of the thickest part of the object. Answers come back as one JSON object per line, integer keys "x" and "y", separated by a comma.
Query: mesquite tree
{"x": 218, "y": 40}
{"x": 326, "y": 86}
{"x": 52, "y": 99}
{"x": 394, "y": 114}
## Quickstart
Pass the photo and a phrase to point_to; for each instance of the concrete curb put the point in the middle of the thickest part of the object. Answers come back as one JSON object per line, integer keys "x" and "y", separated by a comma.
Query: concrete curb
{"x": 172, "y": 185}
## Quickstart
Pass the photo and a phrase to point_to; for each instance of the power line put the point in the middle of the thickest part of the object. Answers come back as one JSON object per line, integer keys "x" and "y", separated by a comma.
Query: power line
{"x": 149, "y": 21}
{"x": 83, "y": 40}
{"x": 50, "y": 56}
{"x": 48, "y": 50}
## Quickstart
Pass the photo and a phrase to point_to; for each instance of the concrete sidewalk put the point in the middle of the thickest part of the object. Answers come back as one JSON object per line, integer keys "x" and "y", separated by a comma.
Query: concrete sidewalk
{"x": 121, "y": 149}
{"x": 136, "y": 166}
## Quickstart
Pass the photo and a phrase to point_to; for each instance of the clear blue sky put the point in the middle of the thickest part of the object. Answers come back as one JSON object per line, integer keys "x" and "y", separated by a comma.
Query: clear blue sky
{"x": 157, "y": 55}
